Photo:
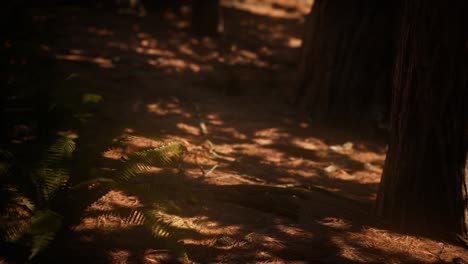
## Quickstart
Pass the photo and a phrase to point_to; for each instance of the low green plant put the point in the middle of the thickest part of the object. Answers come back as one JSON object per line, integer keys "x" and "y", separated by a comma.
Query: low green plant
{"x": 39, "y": 200}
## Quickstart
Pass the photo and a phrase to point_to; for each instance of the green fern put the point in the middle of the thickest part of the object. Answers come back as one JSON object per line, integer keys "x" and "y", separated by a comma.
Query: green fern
{"x": 61, "y": 149}
{"x": 143, "y": 160}
{"x": 44, "y": 226}
{"x": 156, "y": 224}
{"x": 149, "y": 218}
{"x": 51, "y": 181}
{"x": 48, "y": 178}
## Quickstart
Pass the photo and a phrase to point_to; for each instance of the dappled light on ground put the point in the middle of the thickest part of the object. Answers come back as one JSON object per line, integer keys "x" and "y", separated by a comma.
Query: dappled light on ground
{"x": 260, "y": 182}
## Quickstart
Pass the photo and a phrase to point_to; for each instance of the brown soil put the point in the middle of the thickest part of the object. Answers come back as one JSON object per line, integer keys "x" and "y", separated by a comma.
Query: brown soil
{"x": 261, "y": 183}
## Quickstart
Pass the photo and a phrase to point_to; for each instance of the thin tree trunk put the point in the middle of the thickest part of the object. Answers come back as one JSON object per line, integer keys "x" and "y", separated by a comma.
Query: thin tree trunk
{"x": 423, "y": 183}
{"x": 205, "y": 17}
{"x": 347, "y": 58}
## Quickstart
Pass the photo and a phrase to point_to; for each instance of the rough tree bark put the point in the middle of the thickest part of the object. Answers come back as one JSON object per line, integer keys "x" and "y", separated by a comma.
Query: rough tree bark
{"x": 347, "y": 58}
{"x": 205, "y": 17}
{"x": 423, "y": 183}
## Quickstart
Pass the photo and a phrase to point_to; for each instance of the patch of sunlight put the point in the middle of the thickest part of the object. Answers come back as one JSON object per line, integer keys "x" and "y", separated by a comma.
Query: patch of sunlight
{"x": 189, "y": 129}
{"x": 76, "y": 51}
{"x": 248, "y": 54}
{"x": 154, "y": 52}
{"x": 100, "y": 32}
{"x": 182, "y": 24}
{"x": 335, "y": 223}
{"x": 175, "y": 64}
{"x": 163, "y": 109}
{"x": 68, "y": 134}
{"x": 291, "y": 230}
{"x": 119, "y": 256}
{"x": 209, "y": 227}
{"x": 348, "y": 251}
{"x": 306, "y": 144}
{"x": 263, "y": 141}
{"x": 234, "y": 133}
{"x": 306, "y": 172}
{"x": 185, "y": 49}
{"x": 129, "y": 130}
{"x": 100, "y": 61}
{"x": 114, "y": 153}
{"x": 343, "y": 175}
{"x": 294, "y": 42}
{"x": 105, "y": 208}
{"x": 263, "y": 9}
{"x": 214, "y": 119}
{"x": 243, "y": 57}
{"x": 138, "y": 142}
{"x": 155, "y": 256}
{"x": 417, "y": 249}
{"x": 272, "y": 133}
{"x": 142, "y": 35}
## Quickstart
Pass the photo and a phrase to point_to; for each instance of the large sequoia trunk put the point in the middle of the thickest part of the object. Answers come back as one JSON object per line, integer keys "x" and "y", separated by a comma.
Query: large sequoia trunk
{"x": 205, "y": 17}
{"x": 347, "y": 59}
{"x": 423, "y": 183}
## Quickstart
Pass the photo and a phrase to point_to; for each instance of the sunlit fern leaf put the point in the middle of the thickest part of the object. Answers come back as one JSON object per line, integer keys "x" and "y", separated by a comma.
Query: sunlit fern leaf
{"x": 156, "y": 224}
{"x": 44, "y": 226}
{"x": 40, "y": 242}
{"x": 136, "y": 217}
{"x": 141, "y": 161}
{"x": 23, "y": 203}
{"x": 15, "y": 212}
{"x": 51, "y": 175}
{"x": 149, "y": 218}
{"x": 60, "y": 150}
{"x": 14, "y": 205}
{"x": 13, "y": 232}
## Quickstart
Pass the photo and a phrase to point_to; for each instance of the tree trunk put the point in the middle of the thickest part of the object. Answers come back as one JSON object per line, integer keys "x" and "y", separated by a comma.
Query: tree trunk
{"x": 205, "y": 17}
{"x": 423, "y": 183}
{"x": 347, "y": 59}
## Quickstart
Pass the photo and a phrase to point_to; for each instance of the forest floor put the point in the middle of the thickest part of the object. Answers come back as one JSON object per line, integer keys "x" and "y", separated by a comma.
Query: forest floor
{"x": 260, "y": 183}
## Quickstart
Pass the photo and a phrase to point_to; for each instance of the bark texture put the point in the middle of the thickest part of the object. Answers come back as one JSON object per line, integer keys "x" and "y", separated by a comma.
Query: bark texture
{"x": 347, "y": 59}
{"x": 423, "y": 183}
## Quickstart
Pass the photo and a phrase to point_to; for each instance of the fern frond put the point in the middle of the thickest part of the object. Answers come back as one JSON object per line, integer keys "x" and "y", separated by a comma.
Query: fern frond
{"x": 48, "y": 181}
{"x": 156, "y": 224}
{"x": 149, "y": 218}
{"x": 143, "y": 160}
{"x": 51, "y": 175}
{"x": 23, "y": 203}
{"x": 12, "y": 233}
{"x": 60, "y": 150}
{"x": 40, "y": 242}
{"x": 136, "y": 217}
{"x": 45, "y": 221}
{"x": 13, "y": 203}
{"x": 44, "y": 226}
